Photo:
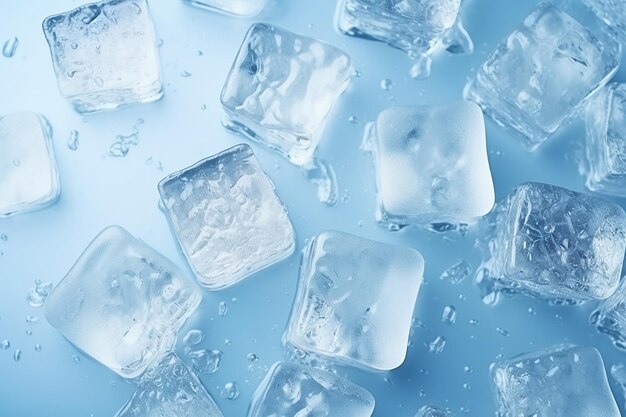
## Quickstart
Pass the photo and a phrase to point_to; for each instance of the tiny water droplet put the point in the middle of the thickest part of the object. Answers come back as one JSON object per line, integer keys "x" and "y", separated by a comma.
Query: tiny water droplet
{"x": 4, "y": 237}
{"x": 457, "y": 272}
{"x": 353, "y": 119}
{"x": 222, "y": 309}
{"x": 17, "y": 355}
{"x": 253, "y": 357}
{"x": 10, "y": 47}
{"x": 17, "y": 162}
{"x": 73, "y": 140}
{"x": 230, "y": 391}
{"x": 503, "y": 332}
{"x": 193, "y": 337}
{"x": 437, "y": 346}
{"x": 76, "y": 359}
{"x": 386, "y": 84}
{"x": 185, "y": 74}
{"x": 32, "y": 319}
{"x": 5, "y": 344}
{"x": 37, "y": 347}
{"x": 448, "y": 315}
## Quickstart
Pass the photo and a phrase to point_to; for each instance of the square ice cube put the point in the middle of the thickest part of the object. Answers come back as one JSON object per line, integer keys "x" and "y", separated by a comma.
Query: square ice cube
{"x": 29, "y": 179}
{"x": 563, "y": 381}
{"x": 122, "y": 302}
{"x": 555, "y": 243}
{"x": 281, "y": 89}
{"x": 431, "y": 164}
{"x": 610, "y": 316}
{"x": 430, "y": 411}
{"x": 169, "y": 388}
{"x": 244, "y": 8}
{"x": 105, "y": 55}
{"x": 291, "y": 389}
{"x": 355, "y": 300}
{"x": 605, "y": 157}
{"x": 413, "y": 26}
{"x": 543, "y": 72}
{"x": 227, "y": 217}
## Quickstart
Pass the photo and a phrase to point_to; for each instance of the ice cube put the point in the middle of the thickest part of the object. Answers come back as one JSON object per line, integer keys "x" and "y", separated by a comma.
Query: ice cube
{"x": 281, "y": 89}
{"x": 544, "y": 71}
{"x": 169, "y": 388}
{"x": 122, "y": 302}
{"x": 431, "y": 164}
{"x": 430, "y": 411}
{"x": 613, "y": 12}
{"x": 355, "y": 300}
{"x": 554, "y": 243}
{"x": 605, "y": 157}
{"x": 291, "y": 389}
{"x": 227, "y": 217}
{"x": 29, "y": 179}
{"x": 562, "y": 381}
{"x": 244, "y": 8}
{"x": 105, "y": 55}
{"x": 610, "y": 316}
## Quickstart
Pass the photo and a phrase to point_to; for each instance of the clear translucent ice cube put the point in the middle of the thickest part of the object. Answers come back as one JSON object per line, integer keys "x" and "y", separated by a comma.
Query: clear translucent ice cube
{"x": 242, "y": 8}
{"x": 227, "y": 217}
{"x": 291, "y": 389}
{"x": 281, "y": 89}
{"x": 610, "y": 316}
{"x": 105, "y": 55}
{"x": 563, "y": 381}
{"x": 355, "y": 300}
{"x": 122, "y": 302}
{"x": 169, "y": 388}
{"x": 554, "y": 243}
{"x": 29, "y": 179}
{"x": 605, "y": 156}
{"x": 543, "y": 72}
{"x": 613, "y": 12}
{"x": 430, "y": 411}
{"x": 431, "y": 164}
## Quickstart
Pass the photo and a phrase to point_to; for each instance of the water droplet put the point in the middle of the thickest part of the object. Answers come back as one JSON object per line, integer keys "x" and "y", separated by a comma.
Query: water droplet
{"x": 39, "y": 293}
{"x": 503, "y": 332}
{"x": 322, "y": 174}
{"x": 467, "y": 387}
{"x": 29, "y": 332}
{"x": 76, "y": 359}
{"x": 37, "y": 347}
{"x": 17, "y": 162}
{"x": 120, "y": 147}
{"x": 73, "y": 140}
{"x": 203, "y": 107}
{"x": 457, "y": 272}
{"x": 353, "y": 119}
{"x": 185, "y": 74}
{"x": 17, "y": 355}
{"x": 386, "y": 84}
{"x": 32, "y": 319}
{"x": 205, "y": 361}
{"x": 388, "y": 381}
{"x": 5, "y": 344}
{"x": 468, "y": 369}
{"x": 437, "y": 346}
{"x": 4, "y": 237}
{"x": 193, "y": 337}
{"x": 160, "y": 42}
{"x": 199, "y": 52}
{"x": 253, "y": 357}
{"x": 222, "y": 309}
{"x": 449, "y": 314}
{"x": 10, "y": 47}
{"x": 230, "y": 391}
{"x": 473, "y": 322}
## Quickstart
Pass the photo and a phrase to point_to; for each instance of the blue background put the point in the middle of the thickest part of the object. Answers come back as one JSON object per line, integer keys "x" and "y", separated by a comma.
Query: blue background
{"x": 99, "y": 190}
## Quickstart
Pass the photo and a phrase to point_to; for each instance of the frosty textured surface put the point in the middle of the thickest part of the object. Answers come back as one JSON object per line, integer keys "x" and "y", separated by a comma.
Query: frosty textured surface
{"x": 355, "y": 300}
{"x": 105, "y": 55}
{"x": 122, "y": 302}
{"x": 291, "y": 390}
{"x": 431, "y": 164}
{"x": 613, "y": 12}
{"x": 563, "y": 381}
{"x": 28, "y": 170}
{"x": 281, "y": 89}
{"x": 170, "y": 389}
{"x": 555, "y": 243}
{"x": 245, "y": 8}
{"x": 430, "y": 411}
{"x": 542, "y": 73}
{"x": 227, "y": 217}
{"x": 610, "y": 317}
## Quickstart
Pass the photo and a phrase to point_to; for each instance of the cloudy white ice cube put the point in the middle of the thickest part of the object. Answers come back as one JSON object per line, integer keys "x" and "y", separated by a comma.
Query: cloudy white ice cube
{"x": 282, "y": 88}
{"x": 543, "y": 72}
{"x": 291, "y": 389}
{"x": 122, "y": 302}
{"x": 431, "y": 165}
{"x": 227, "y": 217}
{"x": 105, "y": 55}
{"x": 170, "y": 388}
{"x": 554, "y": 243}
{"x": 355, "y": 300}
{"x": 29, "y": 178}
{"x": 243, "y": 8}
{"x": 562, "y": 381}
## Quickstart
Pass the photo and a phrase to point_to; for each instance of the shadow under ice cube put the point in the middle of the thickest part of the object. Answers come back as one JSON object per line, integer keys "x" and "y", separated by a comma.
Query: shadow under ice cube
{"x": 355, "y": 300}
{"x": 170, "y": 388}
{"x": 227, "y": 217}
{"x": 431, "y": 165}
{"x": 243, "y": 8}
{"x": 281, "y": 89}
{"x": 122, "y": 302}
{"x": 105, "y": 55}
{"x": 554, "y": 243}
{"x": 29, "y": 179}
{"x": 543, "y": 72}
{"x": 563, "y": 381}
{"x": 291, "y": 389}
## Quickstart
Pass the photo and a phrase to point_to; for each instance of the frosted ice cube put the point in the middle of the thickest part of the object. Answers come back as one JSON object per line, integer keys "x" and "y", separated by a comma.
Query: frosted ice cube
{"x": 105, "y": 55}
{"x": 291, "y": 389}
{"x": 554, "y": 243}
{"x": 169, "y": 388}
{"x": 544, "y": 71}
{"x": 430, "y": 411}
{"x": 355, "y": 300}
{"x": 242, "y": 8}
{"x": 563, "y": 381}
{"x": 605, "y": 157}
{"x": 122, "y": 302}
{"x": 613, "y": 12}
{"x": 431, "y": 164}
{"x": 29, "y": 179}
{"x": 610, "y": 316}
{"x": 281, "y": 89}
{"x": 227, "y": 217}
